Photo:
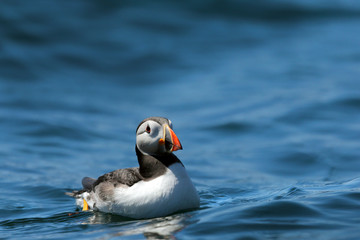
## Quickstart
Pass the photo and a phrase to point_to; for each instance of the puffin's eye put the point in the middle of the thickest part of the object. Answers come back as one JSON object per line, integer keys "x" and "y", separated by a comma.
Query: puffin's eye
{"x": 148, "y": 130}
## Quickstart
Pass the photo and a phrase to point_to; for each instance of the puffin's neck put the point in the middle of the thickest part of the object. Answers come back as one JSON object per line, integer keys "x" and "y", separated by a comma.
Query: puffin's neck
{"x": 152, "y": 166}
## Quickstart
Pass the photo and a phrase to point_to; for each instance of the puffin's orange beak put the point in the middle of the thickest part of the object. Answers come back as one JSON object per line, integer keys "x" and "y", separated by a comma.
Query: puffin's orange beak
{"x": 170, "y": 136}
{"x": 174, "y": 140}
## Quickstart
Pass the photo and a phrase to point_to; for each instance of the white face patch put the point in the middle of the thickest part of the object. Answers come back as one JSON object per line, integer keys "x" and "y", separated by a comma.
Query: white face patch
{"x": 148, "y": 136}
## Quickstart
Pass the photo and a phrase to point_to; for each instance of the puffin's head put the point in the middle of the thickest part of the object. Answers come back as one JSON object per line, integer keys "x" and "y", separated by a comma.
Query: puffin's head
{"x": 155, "y": 136}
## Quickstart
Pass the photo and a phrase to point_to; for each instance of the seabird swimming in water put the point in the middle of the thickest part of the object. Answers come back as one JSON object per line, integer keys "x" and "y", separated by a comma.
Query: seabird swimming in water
{"x": 158, "y": 187}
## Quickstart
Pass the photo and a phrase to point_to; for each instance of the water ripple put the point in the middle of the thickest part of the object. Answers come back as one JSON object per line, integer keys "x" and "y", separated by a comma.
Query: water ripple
{"x": 281, "y": 209}
{"x": 231, "y": 127}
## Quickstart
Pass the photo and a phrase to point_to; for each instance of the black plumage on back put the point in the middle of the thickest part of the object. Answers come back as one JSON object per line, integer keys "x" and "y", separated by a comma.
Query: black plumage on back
{"x": 87, "y": 183}
{"x": 127, "y": 176}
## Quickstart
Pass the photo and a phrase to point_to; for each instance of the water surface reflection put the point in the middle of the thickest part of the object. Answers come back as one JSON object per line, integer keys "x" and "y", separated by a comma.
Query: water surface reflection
{"x": 157, "y": 228}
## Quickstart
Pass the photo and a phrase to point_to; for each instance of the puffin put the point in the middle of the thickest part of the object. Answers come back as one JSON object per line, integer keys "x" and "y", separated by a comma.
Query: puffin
{"x": 160, "y": 186}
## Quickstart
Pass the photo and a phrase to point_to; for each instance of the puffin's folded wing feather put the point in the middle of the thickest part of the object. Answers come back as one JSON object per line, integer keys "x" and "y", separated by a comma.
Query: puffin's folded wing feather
{"x": 127, "y": 176}
{"x": 105, "y": 185}
{"x": 88, "y": 183}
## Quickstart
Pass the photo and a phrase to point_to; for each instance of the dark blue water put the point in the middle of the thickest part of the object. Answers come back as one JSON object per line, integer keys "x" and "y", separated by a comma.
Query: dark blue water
{"x": 264, "y": 96}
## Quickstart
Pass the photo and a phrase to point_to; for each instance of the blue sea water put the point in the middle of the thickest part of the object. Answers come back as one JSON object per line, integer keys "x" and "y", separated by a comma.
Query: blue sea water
{"x": 263, "y": 95}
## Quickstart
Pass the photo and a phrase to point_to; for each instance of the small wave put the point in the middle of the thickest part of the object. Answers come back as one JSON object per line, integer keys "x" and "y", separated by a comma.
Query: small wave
{"x": 56, "y": 218}
{"x": 275, "y": 10}
{"x": 231, "y": 127}
{"x": 351, "y": 102}
{"x": 290, "y": 193}
{"x": 45, "y": 192}
{"x": 299, "y": 163}
{"x": 53, "y": 106}
{"x": 73, "y": 133}
{"x": 321, "y": 112}
{"x": 288, "y": 209}
{"x": 15, "y": 70}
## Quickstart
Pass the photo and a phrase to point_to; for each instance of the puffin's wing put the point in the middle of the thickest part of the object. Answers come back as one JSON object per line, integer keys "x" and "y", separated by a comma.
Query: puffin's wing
{"x": 88, "y": 182}
{"x": 107, "y": 182}
{"x": 127, "y": 176}
{"x": 105, "y": 185}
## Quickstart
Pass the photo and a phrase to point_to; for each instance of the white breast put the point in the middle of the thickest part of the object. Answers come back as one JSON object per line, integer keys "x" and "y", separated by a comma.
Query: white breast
{"x": 161, "y": 196}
